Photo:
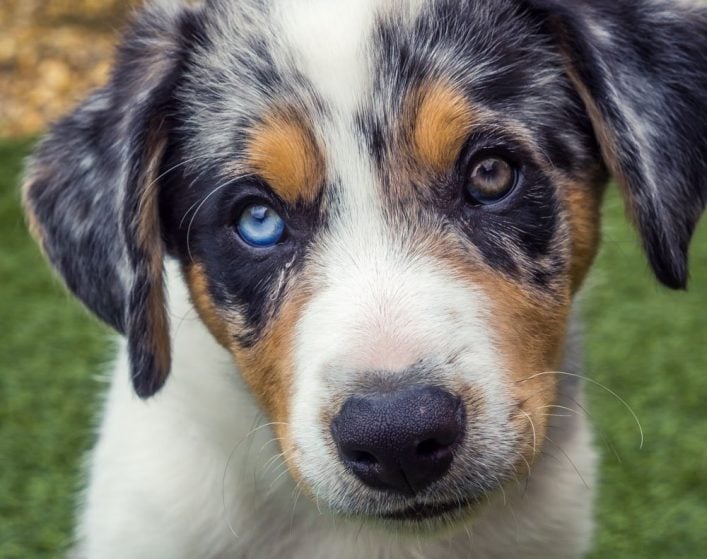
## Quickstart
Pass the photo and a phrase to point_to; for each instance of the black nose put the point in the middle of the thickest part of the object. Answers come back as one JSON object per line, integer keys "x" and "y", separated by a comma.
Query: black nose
{"x": 400, "y": 441}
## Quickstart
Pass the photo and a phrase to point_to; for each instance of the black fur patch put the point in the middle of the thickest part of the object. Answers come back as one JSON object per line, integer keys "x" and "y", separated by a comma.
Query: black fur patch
{"x": 522, "y": 81}
{"x": 200, "y": 216}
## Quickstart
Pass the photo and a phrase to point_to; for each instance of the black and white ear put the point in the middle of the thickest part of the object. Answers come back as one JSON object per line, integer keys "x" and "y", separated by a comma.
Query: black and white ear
{"x": 641, "y": 69}
{"x": 91, "y": 198}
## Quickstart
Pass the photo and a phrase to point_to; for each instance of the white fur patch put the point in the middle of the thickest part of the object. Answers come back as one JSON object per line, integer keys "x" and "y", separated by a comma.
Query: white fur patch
{"x": 328, "y": 41}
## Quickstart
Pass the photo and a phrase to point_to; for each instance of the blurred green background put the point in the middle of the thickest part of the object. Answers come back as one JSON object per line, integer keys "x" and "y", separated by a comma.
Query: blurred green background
{"x": 647, "y": 344}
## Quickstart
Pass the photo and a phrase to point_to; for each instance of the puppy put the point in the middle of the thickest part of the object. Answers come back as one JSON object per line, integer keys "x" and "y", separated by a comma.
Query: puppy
{"x": 342, "y": 241}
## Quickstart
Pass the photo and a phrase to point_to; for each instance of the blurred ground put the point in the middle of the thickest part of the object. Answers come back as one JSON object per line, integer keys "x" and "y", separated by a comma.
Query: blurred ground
{"x": 51, "y": 53}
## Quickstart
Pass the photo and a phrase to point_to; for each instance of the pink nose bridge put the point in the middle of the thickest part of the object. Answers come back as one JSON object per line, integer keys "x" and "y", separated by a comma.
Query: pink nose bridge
{"x": 387, "y": 352}
{"x": 387, "y": 336}
{"x": 385, "y": 305}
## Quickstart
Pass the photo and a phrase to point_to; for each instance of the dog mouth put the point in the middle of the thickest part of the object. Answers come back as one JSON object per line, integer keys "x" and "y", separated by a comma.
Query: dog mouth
{"x": 420, "y": 512}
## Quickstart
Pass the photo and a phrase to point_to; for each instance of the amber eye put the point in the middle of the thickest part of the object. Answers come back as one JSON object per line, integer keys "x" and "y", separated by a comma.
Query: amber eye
{"x": 490, "y": 179}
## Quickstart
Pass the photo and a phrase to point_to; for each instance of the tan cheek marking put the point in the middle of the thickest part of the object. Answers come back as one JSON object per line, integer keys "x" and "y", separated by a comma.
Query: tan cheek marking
{"x": 441, "y": 123}
{"x": 528, "y": 329}
{"x": 267, "y": 367}
{"x": 216, "y": 322}
{"x": 583, "y": 204}
{"x": 530, "y": 332}
{"x": 284, "y": 151}
{"x": 268, "y": 370}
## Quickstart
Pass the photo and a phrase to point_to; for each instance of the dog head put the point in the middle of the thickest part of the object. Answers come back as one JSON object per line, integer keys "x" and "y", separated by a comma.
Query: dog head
{"x": 382, "y": 209}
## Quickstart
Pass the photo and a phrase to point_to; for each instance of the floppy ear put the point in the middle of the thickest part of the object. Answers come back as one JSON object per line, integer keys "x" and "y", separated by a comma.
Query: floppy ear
{"x": 91, "y": 198}
{"x": 641, "y": 69}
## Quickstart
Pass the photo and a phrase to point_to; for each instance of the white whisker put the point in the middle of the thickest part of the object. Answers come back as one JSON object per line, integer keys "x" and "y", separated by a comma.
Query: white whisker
{"x": 600, "y": 385}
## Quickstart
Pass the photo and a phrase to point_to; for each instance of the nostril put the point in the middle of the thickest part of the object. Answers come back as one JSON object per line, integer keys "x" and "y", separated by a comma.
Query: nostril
{"x": 362, "y": 458}
{"x": 430, "y": 448}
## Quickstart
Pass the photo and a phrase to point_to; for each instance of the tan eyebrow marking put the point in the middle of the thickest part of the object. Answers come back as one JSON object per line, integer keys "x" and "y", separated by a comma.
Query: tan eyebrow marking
{"x": 283, "y": 150}
{"x": 441, "y": 121}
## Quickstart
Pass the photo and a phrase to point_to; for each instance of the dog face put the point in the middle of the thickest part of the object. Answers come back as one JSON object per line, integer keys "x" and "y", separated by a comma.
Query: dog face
{"x": 383, "y": 210}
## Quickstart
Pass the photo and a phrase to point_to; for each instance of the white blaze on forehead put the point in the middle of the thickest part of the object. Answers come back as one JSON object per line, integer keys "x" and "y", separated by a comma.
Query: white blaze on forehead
{"x": 329, "y": 40}
{"x": 331, "y": 43}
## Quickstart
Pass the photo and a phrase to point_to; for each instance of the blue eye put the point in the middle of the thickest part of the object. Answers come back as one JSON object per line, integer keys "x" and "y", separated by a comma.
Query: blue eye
{"x": 261, "y": 226}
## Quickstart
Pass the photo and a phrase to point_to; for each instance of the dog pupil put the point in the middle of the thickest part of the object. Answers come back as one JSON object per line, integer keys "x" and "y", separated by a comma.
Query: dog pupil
{"x": 492, "y": 174}
{"x": 259, "y": 213}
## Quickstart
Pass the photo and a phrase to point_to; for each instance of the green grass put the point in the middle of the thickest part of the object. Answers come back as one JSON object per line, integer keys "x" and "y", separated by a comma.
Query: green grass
{"x": 644, "y": 342}
{"x": 649, "y": 345}
{"x": 50, "y": 352}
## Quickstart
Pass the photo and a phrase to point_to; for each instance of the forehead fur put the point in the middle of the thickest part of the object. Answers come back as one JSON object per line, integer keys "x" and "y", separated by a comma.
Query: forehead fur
{"x": 313, "y": 97}
{"x": 344, "y": 62}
